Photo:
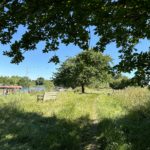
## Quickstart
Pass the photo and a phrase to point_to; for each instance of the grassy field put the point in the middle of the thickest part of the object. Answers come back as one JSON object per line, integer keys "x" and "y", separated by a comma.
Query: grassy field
{"x": 104, "y": 120}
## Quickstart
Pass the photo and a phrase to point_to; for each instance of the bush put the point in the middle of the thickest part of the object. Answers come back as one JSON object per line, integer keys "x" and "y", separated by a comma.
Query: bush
{"x": 120, "y": 84}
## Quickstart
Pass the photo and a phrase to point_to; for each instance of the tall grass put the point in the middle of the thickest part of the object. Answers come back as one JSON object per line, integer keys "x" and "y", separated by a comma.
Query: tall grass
{"x": 105, "y": 119}
{"x": 132, "y": 97}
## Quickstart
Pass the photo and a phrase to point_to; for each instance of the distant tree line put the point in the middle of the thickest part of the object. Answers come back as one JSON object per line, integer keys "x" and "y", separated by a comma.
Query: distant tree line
{"x": 25, "y": 81}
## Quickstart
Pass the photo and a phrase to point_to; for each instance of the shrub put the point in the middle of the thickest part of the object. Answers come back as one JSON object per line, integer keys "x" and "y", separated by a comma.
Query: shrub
{"x": 120, "y": 84}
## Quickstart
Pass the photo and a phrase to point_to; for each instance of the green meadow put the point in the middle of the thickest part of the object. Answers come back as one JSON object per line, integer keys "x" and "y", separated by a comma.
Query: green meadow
{"x": 105, "y": 120}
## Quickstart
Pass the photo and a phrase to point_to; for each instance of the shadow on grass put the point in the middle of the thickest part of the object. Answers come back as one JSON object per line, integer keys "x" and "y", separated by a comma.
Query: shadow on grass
{"x": 30, "y": 131}
{"x": 129, "y": 132}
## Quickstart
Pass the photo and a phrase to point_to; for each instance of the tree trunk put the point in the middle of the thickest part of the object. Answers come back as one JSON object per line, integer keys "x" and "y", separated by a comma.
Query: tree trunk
{"x": 83, "y": 90}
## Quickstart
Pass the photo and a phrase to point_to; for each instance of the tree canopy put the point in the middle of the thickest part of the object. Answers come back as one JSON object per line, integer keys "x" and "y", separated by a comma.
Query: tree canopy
{"x": 25, "y": 82}
{"x": 82, "y": 69}
{"x": 39, "y": 81}
{"x": 13, "y": 80}
{"x": 68, "y": 21}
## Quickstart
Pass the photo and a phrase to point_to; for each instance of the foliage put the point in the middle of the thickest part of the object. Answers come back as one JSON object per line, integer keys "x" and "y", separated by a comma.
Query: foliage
{"x": 141, "y": 79}
{"x": 82, "y": 69}
{"x": 119, "y": 121}
{"x": 97, "y": 84}
{"x": 48, "y": 84}
{"x": 120, "y": 84}
{"x": 32, "y": 83}
{"x": 4, "y": 80}
{"x": 13, "y": 80}
{"x": 39, "y": 81}
{"x": 77, "y": 89}
{"x": 25, "y": 82}
{"x": 68, "y": 21}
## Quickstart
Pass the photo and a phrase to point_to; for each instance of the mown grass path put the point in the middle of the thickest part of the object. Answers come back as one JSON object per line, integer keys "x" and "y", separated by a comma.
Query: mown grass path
{"x": 93, "y": 144}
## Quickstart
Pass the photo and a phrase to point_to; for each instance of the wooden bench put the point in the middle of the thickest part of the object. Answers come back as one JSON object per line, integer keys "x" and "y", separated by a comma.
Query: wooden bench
{"x": 47, "y": 96}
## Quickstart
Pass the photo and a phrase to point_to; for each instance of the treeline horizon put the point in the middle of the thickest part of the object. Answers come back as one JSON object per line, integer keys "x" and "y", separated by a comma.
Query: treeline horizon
{"x": 117, "y": 82}
{"x": 25, "y": 81}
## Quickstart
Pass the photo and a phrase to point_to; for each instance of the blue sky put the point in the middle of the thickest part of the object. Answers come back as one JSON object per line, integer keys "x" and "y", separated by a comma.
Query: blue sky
{"x": 36, "y": 63}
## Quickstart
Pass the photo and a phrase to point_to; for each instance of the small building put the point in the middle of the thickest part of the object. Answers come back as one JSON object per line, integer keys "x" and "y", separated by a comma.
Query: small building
{"x": 9, "y": 89}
